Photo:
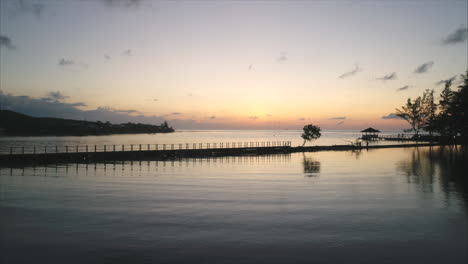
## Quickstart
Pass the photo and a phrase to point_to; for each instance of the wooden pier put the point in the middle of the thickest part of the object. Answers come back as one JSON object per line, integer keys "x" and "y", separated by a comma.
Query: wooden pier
{"x": 105, "y": 153}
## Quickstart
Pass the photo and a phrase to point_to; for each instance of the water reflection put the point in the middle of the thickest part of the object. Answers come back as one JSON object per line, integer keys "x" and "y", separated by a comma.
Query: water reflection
{"x": 438, "y": 166}
{"x": 311, "y": 166}
{"x": 53, "y": 170}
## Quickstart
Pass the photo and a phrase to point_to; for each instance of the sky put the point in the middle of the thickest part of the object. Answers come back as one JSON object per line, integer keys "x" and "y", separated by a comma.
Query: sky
{"x": 236, "y": 64}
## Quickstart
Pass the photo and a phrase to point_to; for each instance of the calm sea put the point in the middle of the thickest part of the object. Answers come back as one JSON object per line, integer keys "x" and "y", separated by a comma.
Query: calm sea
{"x": 329, "y": 137}
{"x": 380, "y": 206}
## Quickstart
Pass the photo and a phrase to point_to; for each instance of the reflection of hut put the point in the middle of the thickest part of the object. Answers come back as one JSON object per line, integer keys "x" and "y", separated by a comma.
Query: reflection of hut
{"x": 370, "y": 134}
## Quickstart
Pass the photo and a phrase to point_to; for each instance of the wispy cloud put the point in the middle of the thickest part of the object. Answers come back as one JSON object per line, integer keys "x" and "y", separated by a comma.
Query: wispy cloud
{"x": 70, "y": 62}
{"x": 351, "y": 73}
{"x": 175, "y": 113}
{"x": 212, "y": 117}
{"x": 406, "y": 87}
{"x": 127, "y": 52}
{"x": 338, "y": 118}
{"x": 55, "y": 96}
{"x": 66, "y": 62}
{"x": 301, "y": 119}
{"x": 253, "y": 117}
{"x": 458, "y": 36}
{"x": 27, "y": 7}
{"x": 388, "y": 77}
{"x": 391, "y": 116}
{"x": 6, "y": 42}
{"x": 282, "y": 58}
{"x": 423, "y": 68}
{"x": 251, "y": 67}
{"x": 107, "y": 57}
{"x": 122, "y": 3}
{"x": 340, "y": 123}
{"x": 441, "y": 82}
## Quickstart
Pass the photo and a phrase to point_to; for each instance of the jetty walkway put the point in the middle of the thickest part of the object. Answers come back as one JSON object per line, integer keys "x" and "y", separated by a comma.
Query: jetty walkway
{"x": 103, "y": 153}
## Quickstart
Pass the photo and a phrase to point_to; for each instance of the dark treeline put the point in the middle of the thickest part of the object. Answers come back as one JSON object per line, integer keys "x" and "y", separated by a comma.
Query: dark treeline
{"x": 448, "y": 117}
{"x": 16, "y": 124}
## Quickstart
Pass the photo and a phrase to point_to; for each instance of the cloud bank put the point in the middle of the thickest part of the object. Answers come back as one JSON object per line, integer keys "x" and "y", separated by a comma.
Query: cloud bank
{"x": 391, "y": 116}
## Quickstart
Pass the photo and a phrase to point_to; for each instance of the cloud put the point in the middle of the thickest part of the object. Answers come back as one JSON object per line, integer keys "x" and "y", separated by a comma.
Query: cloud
{"x": 340, "y": 123}
{"x": 253, "y": 117}
{"x": 458, "y": 36}
{"x": 27, "y": 7}
{"x": 6, "y": 42}
{"x": 387, "y": 77}
{"x": 338, "y": 118}
{"x": 301, "y": 119}
{"x": 391, "y": 116}
{"x": 453, "y": 78}
{"x": 45, "y": 108}
{"x": 251, "y": 67}
{"x": 107, "y": 57}
{"x": 122, "y": 3}
{"x": 350, "y": 73}
{"x": 70, "y": 62}
{"x": 55, "y": 96}
{"x": 127, "y": 52}
{"x": 175, "y": 113}
{"x": 282, "y": 58}
{"x": 66, "y": 62}
{"x": 212, "y": 117}
{"x": 406, "y": 87}
{"x": 424, "y": 67}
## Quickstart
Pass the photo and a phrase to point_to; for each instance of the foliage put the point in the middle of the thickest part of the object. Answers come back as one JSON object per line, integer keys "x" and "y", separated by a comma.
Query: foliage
{"x": 310, "y": 132}
{"x": 449, "y": 117}
{"x": 12, "y": 123}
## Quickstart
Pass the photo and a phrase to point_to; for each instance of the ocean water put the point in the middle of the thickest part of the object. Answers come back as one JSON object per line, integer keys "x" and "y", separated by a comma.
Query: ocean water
{"x": 405, "y": 205}
{"x": 183, "y": 137}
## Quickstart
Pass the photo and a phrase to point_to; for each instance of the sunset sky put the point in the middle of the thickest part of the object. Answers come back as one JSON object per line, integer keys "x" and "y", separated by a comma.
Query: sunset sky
{"x": 228, "y": 64}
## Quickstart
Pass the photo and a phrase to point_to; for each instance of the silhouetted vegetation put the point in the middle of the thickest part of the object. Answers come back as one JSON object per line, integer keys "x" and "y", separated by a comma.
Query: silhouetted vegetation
{"x": 447, "y": 118}
{"x": 16, "y": 124}
{"x": 310, "y": 132}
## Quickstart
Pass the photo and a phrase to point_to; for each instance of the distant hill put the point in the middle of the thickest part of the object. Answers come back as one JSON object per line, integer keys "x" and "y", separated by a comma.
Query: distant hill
{"x": 16, "y": 124}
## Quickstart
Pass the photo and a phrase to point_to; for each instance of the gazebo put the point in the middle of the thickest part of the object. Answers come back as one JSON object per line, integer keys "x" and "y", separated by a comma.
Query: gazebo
{"x": 370, "y": 134}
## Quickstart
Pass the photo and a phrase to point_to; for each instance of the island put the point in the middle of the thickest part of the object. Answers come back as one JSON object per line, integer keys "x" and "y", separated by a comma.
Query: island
{"x": 17, "y": 124}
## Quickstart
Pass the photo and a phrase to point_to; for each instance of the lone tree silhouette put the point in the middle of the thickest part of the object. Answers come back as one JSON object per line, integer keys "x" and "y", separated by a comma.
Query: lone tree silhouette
{"x": 310, "y": 133}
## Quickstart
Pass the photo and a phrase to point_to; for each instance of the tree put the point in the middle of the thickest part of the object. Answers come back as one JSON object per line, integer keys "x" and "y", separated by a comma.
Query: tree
{"x": 429, "y": 108}
{"x": 412, "y": 112}
{"x": 460, "y": 107}
{"x": 310, "y": 132}
{"x": 444, "y": 118}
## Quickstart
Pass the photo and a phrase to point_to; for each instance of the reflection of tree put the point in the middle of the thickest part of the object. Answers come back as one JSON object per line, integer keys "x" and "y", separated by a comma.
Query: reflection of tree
{"x": 311, "y": 166}
{"x": 446, "y": 165}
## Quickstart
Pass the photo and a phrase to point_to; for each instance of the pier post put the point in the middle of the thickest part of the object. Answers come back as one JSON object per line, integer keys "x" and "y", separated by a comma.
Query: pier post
{"x": 123, "y": 148}
{"x": 156, "y": 146}
{"x": 95, "y": 148}
{"x": 131, "y": 147}
{"x": 172, "y": 146}
{"x": 164, "y": 146}
{"x": 180, "y": 146}
{"x": 186, "y": 145}
{"x": 149, "y": 148}
{"x": 140, "y": 147}
{"x": 194, "y": 146}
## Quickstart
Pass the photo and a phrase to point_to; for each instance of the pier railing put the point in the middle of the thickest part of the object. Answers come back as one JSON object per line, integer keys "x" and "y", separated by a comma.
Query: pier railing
{"x": 15, "y": 150}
